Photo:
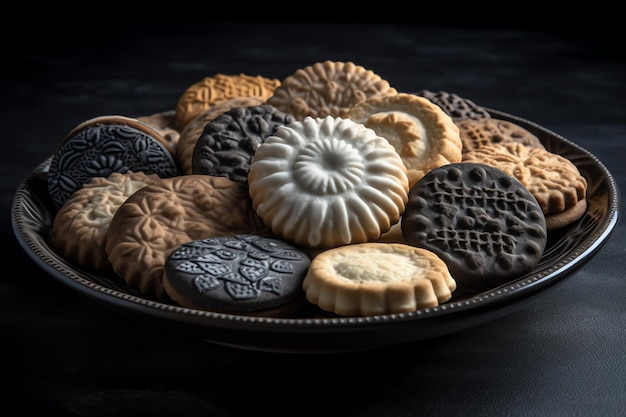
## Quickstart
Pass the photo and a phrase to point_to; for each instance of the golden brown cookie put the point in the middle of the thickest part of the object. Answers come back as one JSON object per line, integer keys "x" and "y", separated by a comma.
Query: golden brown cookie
{"x": 80, "y": 226}
{"x": 325, "y": 182}
{"x": 220, "y": 87}
{"x": 194, "y": 128}
{"x": 489, "y": 131}
{"x": 420, "y": 131}
{"x": 554, "y": 180}
{"x": 377, "y": 278}
{"x": 158, "y": 218}
{"x": 165, "y": 123}
{"x": 328, "y": 88}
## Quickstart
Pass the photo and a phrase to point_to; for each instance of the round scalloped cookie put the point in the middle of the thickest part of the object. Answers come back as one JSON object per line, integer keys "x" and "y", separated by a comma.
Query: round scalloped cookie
{"x": 103, "y": 145}
{"x": 194, "y": 128}
{"x": 554, "y": 180}
{"x": 325, "y": 182}
{"x": 369, "y": 279}
{"x": 163, "y": 215}
{"x": 80, "y": 226}
{"x": 220, "y": 87}
{"x": 328, "y": 88}
{"x": 424, "y": 136}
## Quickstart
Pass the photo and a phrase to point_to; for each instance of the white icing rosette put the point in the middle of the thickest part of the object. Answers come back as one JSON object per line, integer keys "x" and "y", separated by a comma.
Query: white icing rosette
{"x": 327, "y": 182}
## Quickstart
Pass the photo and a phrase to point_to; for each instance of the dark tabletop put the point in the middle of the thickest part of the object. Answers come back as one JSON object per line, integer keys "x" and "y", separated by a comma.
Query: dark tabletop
{"x": 563, "y": 354}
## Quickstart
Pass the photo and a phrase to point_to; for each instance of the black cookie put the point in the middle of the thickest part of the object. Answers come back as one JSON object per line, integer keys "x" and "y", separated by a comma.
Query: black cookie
{"x": 245, "y": 274}
{"x": 455, "y": 106}
{"x": 227, "y": 144}
{"x": 103, "y": 145}
{"x": 486, "y": 226}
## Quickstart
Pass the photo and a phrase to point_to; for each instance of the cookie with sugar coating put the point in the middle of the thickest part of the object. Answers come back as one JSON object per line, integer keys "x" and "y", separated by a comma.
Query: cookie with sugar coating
{"x": 377, "y": 278}
{"x": 163, "y": 215}
{"x": 325, "y": 182}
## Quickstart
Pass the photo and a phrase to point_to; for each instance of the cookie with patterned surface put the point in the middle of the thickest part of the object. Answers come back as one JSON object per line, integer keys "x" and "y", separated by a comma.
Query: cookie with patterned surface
{"x": 486, "y": 226}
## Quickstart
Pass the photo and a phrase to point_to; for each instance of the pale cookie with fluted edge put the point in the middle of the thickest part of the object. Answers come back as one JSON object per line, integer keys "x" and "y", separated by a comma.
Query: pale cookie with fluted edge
{"x": 476, "y": 133}
{"x": 554, "y": 180}
{"x": 455, "y": 106}
{"x": 102, "y": 145}
{"x": 325, "y": 182}
{"x": 193, "y": 129}
{"x": 80, "y": 226}
{"x": 369, "y": 279}
{"x": 422, "y": 134}
{"x": 220, "y": 87}
{"x": 241, "y": 274}
{"x": 329, "y": 88}
{"x": 163, "y": 215}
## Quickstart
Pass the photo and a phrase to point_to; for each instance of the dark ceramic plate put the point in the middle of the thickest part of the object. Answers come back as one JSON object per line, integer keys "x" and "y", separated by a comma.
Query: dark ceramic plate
{"x": 311, "y": 330}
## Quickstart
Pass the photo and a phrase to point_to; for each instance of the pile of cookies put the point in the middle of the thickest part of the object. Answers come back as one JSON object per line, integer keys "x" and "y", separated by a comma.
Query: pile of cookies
{"x": 328, "y": 188}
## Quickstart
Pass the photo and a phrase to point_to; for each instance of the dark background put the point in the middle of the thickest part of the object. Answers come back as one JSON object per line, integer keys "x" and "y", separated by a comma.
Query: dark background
{"x": 563, "y": 355}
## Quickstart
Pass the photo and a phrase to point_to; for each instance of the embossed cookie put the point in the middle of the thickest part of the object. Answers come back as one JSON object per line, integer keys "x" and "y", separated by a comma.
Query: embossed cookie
{"x": 476, "y": 133}
{"x": 229, "y": 141}
{"x": 423, "y": 135}
{"x": 103, "y": 145}
{"x": 193, "y": 129}
{"x": 165, "y": 124}
{"x": 243, "y": 274}
{"x": 485, "y": 225}
{"x": 328, "y": 88}
{"x": 377, "y": 278}
{"x": 220, "y": 87}
{"x": 163, "y": 215}
{"x": 554, "y": 180}
{"x": 455, "y": 106}
{"x": 81, "y": 224}
{"x": 324, "y": 182}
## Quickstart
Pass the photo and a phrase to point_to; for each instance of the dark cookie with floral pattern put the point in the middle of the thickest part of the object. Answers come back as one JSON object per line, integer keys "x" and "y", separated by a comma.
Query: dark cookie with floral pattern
{"x": 227, "y": 144}
{"x": 486, "y": 226}
{"x": 103, "y": 145}
{"x": 243, "y": 274}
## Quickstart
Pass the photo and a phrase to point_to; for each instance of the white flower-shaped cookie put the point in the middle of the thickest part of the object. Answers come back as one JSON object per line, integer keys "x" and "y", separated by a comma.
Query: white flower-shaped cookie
{"x": 326, "y": 182}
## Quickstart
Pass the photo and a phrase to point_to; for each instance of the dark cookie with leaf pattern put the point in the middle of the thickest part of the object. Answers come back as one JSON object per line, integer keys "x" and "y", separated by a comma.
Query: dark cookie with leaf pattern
{"x": 103, "y": 145}
{"x": 486, "y": 226}
{"x": 454, "y": 105}
{"x": 228, "y": 143}
{"x": 243, "y": 274}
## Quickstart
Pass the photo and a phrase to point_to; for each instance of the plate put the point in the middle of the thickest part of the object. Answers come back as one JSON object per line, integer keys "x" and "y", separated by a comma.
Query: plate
{"x": 312, "y": 331}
